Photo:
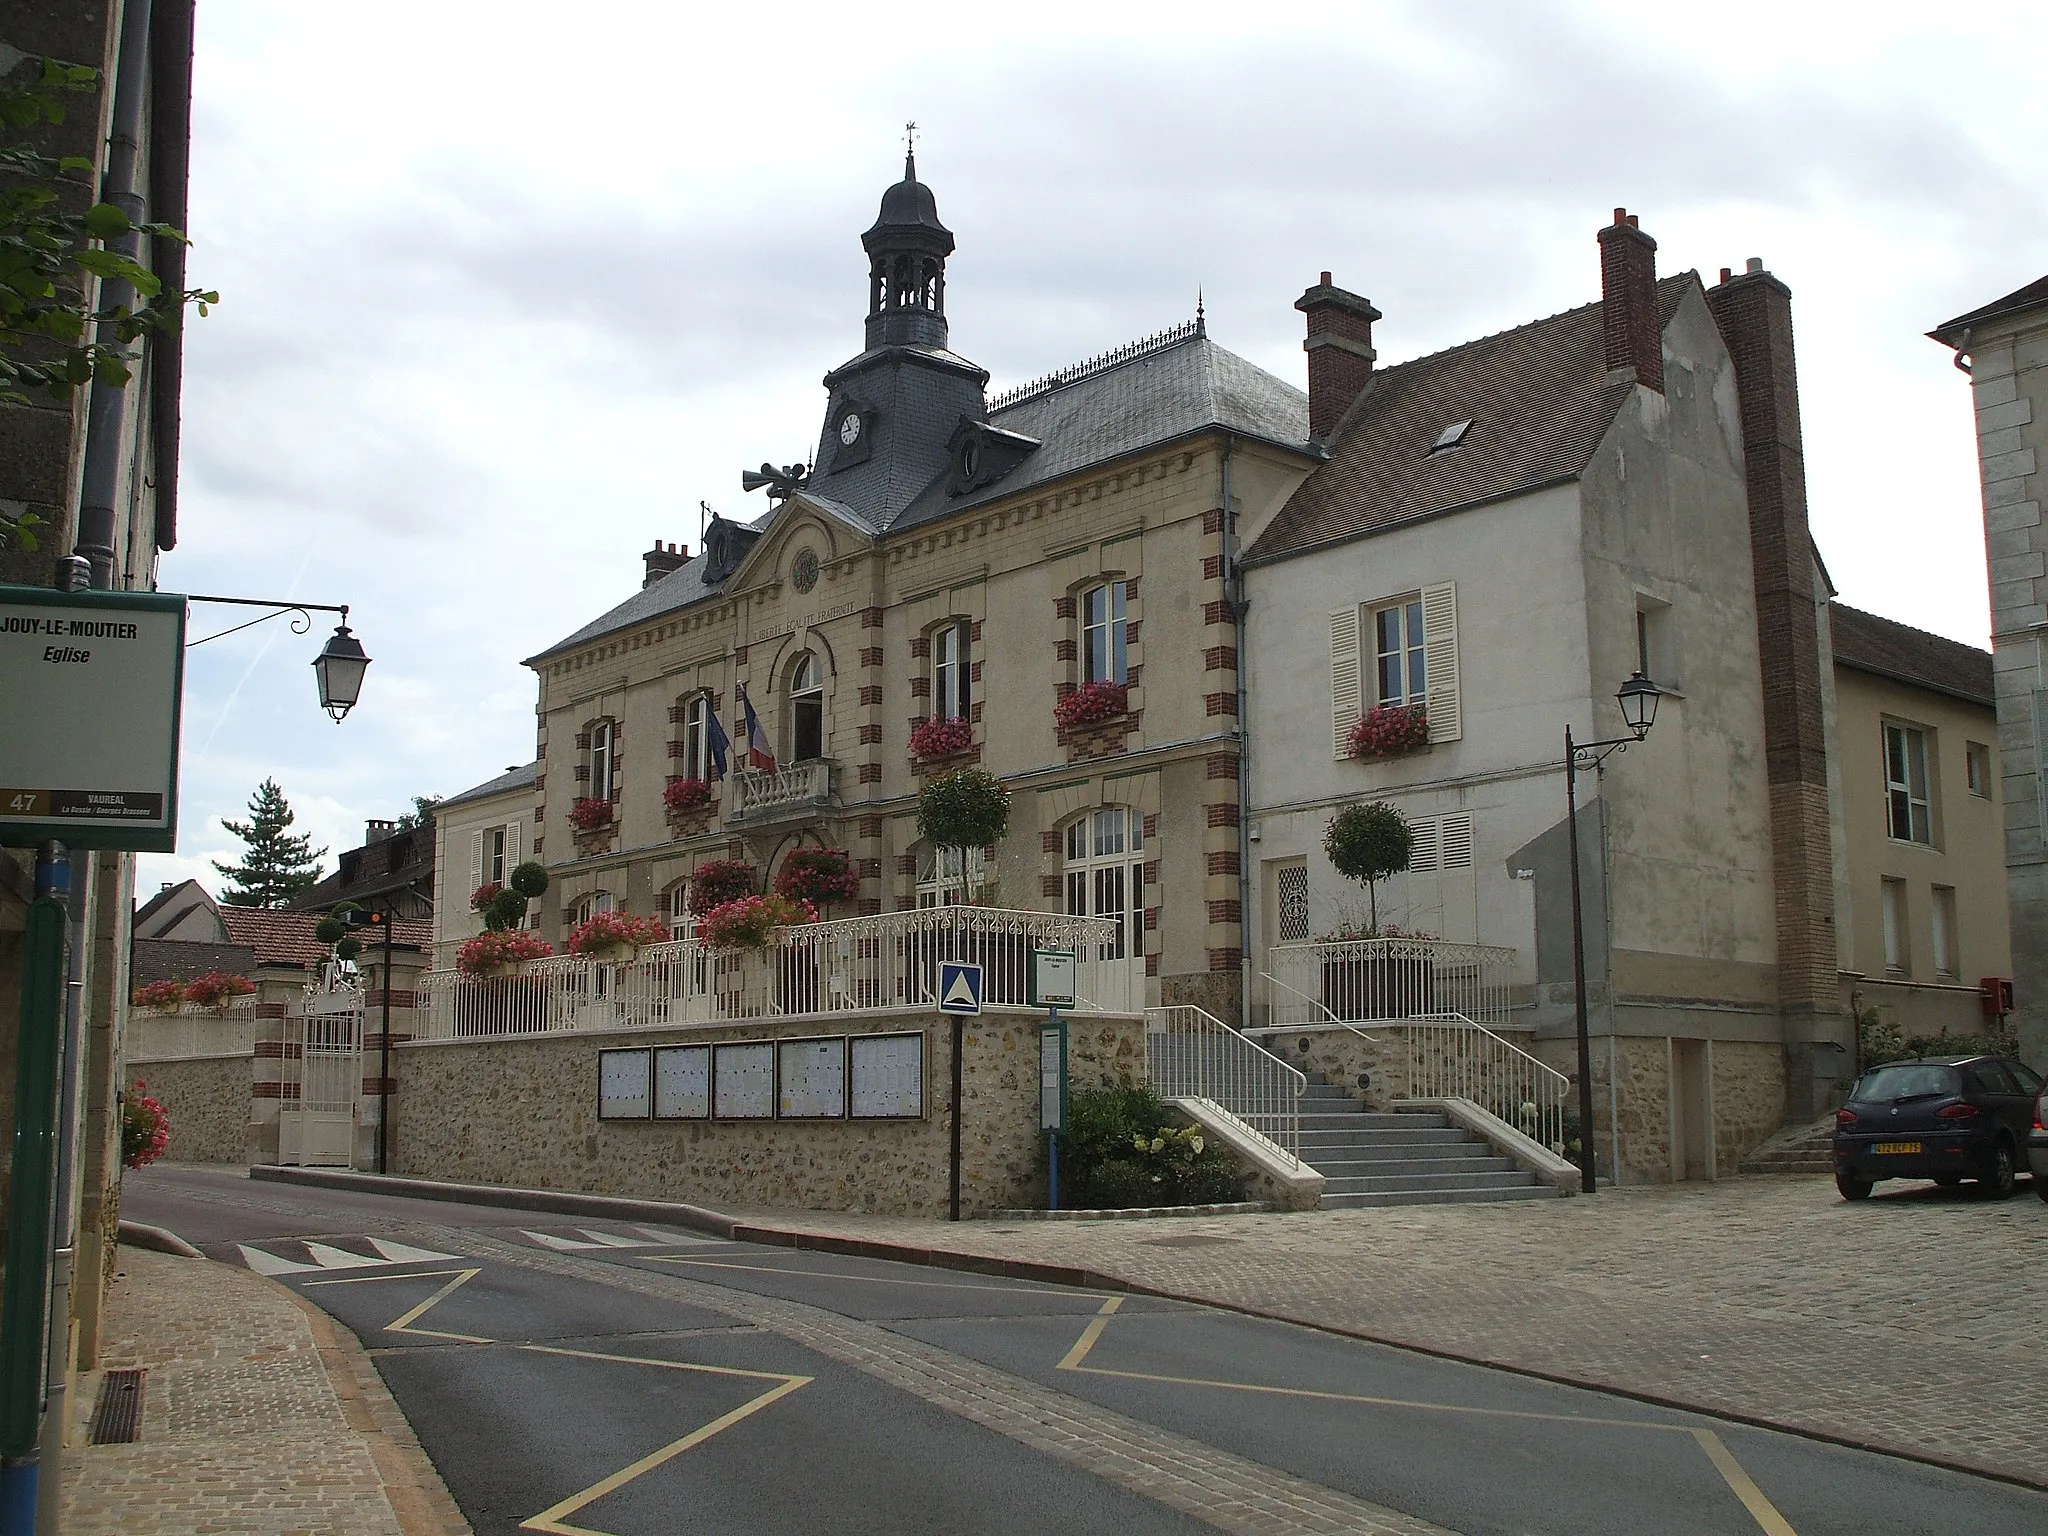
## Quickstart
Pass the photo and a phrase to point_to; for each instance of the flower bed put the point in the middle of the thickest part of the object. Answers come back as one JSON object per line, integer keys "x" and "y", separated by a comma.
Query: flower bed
{"x": 607, "y": 933}
{"x": 165, "y": 996}
{"x": 1388, "y": 730}
{"x": 489, "y": 953}
{"x": 215, "y": 989}
{"x": 817, "y": 876}
{"x": 1092, "y": 704}
{"x": 941, "y": 738}
{"x": 686, "y": 795}
{"x": 718, "y": 881}
{"x": 750, "y": 922}
{"x": 590, "y": 815}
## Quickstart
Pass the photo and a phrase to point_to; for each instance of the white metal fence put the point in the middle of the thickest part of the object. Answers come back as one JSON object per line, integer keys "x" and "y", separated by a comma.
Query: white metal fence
{"x": 157, "y": 1035}
{"x": 1360, "y": 980}
{"x": 856, "y": 965}
{"x": 1451, "y": 1057}
{"x": 1192, "y": 1054}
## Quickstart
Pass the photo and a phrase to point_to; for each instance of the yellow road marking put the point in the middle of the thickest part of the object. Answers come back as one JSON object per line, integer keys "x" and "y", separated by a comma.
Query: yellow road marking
{"x": 1761, "y": 1509}
{"x": 1090, "y": 1334}
{"x": 1739, "y": 1481}
{"x": 403, "y": 1323}
{"x": 411, "y": 1274}
{"x": 816, "y": 1274}
{"x": 553, "y": 1520}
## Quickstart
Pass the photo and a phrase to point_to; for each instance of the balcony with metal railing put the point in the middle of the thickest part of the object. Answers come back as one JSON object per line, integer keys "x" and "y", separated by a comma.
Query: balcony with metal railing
{"x": 863, "y": 965}
{"x": 1360, "y": 981}
{"x": 793, "y": 793}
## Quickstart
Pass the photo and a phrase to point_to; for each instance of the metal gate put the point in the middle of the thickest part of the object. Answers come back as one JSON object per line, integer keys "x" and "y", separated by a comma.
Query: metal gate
{"x": 322, "y": 1095}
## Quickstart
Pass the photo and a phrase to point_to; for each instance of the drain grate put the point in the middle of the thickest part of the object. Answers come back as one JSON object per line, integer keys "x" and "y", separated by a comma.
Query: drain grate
{"x": 117, "y": 1412}
{"x": 1191, "y": 1240}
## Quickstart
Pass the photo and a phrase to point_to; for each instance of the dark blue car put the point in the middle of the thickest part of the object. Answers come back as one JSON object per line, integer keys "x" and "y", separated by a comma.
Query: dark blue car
{"x": 1947, "y": 1119}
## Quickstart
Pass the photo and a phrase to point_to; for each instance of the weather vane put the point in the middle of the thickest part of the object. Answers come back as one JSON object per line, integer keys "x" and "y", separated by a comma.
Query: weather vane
{"x": 910, "y": 137}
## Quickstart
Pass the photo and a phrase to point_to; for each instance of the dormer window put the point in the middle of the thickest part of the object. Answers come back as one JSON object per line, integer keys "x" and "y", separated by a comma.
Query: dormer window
{"x": 1451, "y": 437}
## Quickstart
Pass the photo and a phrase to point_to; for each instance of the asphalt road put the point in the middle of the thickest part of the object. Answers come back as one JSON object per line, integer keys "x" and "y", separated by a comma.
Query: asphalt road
{"x": 571, "y": 1374}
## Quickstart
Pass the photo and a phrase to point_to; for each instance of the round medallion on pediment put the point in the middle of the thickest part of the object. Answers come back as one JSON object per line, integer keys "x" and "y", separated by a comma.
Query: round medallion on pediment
{"x": 803, "y": 569}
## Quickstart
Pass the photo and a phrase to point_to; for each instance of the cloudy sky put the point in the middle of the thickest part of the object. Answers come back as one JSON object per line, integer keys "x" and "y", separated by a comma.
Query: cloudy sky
{"x": 508, "y": 289}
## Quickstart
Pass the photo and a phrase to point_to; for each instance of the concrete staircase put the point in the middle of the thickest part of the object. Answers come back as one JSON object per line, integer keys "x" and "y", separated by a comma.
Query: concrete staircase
{"x": 1406, "y": 1158}
{"x": 1802, "y": 1149}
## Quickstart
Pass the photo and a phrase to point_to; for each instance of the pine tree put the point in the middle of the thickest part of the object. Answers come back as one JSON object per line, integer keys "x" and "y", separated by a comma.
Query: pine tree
{"x": 276, "y": 867}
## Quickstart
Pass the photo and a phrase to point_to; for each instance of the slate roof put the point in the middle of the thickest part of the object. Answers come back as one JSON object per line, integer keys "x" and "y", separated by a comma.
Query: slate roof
{"x": 182, "y": 959}
{"x": 2033, "y": 296}
{"x": 286, "y": 938}
{"x": 504, "y": 783}
{"x": 1890, "y": 649}
{"x": 1539, "y": 398}
{"x": 1144, "y": 401}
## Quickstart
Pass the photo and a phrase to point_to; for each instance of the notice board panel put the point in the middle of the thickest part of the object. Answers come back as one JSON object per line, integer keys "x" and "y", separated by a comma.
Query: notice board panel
{"x": 810, "y": 1079}
{"x": 622, "y": 1085}
{"x": 887, "y": 1073}
{"x": 89, "y": 703}
{"x": 743, "y": 1081}
{"x": 682, "y": 1082}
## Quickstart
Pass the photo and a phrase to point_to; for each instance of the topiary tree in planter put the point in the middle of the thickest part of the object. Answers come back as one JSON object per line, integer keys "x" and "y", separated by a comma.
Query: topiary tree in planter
{"x": 965, "y": 809}
{"x": 1368, "y": 843}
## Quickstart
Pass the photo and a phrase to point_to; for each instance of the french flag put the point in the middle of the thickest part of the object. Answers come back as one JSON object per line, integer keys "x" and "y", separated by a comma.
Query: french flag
{"x": 759, "y": 754}
{"x": 719, "y": 744}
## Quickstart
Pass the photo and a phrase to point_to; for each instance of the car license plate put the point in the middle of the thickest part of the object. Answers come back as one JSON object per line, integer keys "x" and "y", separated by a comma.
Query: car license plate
{"x": 1884, "y": 1147}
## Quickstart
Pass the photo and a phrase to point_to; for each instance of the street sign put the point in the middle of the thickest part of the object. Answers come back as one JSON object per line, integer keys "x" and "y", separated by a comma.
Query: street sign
{"x": 1052, "y": 978}
{"x": 959, "y": 987}
{"x": 89, "y": 696}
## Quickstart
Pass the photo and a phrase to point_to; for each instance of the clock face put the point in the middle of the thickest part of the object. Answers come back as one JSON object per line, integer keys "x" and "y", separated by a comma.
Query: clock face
{"x": 850, "y": 428}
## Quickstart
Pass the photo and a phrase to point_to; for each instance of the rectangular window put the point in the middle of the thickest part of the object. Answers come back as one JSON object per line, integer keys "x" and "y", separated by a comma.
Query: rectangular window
{"x": 697, "y": 738}
{"x": 1895, "y": 957}
{"x": 1290, "y": 903}
{"x": 1908, "y": 807}
{"x": 494, "y": 856}
{"x": 1946, "y": 962}
{"x": 1654, "y": 649}
{"x": 1103, "y": 634}
{"x": 950, "y": 673}
{"x": 602, "y": 777}
{"x": 1397, "y": 639}
{"x": 1978, "y": 756}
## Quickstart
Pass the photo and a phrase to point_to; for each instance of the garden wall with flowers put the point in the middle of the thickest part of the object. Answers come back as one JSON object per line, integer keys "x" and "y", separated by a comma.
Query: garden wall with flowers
{"x": 207, "y": 1098}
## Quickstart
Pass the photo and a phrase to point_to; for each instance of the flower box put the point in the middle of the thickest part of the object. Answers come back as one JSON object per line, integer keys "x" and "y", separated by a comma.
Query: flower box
{"x": 1387, "y": 731}
{"x": 1091, "y": 704}
{"x": 163, "y": 996}
{"x": 590, "y": 815}
{"x": 489, "y": 954}
{"x": 216, "y": 989}
{"x": 616, "y": 938}
{"x": 947, "y": 737}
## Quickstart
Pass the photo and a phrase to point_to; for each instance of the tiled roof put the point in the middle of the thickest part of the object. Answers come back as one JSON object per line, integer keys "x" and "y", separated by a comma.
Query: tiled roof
{"x": 504, "y": 783}
{"x": 1539, "y": 399}
{"x": 2033, "y": 296}
{"x": 181, "y": 959}
{"x": 286, "y": 938}
{"x": 1891, "y": 649}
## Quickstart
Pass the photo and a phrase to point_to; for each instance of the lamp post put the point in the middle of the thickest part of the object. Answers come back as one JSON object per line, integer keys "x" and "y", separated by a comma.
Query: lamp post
{"x": 1638, "y": 700}
{"x": 338, "y": 669}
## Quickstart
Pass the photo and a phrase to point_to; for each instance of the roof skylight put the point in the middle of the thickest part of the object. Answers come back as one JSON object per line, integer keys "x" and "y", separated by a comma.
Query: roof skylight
{"x": 1451, "y": 436}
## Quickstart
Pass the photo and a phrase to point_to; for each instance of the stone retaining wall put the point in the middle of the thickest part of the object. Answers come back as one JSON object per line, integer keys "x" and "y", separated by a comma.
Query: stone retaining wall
{"x": 208, "y": 1100}
{"x": 524, "y": 1113}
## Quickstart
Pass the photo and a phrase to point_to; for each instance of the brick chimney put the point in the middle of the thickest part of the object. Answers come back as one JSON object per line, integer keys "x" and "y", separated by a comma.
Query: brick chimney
{"x": 663, "y": 559}
{"x": 1340, "y": 354}
{"x": 1628, "y": 301}
{"x": 377, "y": 831}
{"x": 1754, "y": 313}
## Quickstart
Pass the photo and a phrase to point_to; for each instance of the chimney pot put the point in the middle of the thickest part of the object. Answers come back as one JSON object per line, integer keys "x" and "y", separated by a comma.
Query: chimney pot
{"x": 1340, "y": 352}
{"x": 1726, "y": 274}
{"x": 660, "y": 561}
{"x": 1629, "y": 323}
{"x": 1756, "y": 264}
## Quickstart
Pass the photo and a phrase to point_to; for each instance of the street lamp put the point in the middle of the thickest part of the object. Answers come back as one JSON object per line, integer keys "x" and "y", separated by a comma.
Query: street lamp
{"x": 1638, "y": 700}
{"x": 339, "y": 668}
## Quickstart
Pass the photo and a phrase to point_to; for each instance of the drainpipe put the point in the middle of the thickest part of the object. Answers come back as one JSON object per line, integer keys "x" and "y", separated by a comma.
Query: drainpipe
{"x": 1233, "y": 593}
{"x": 107, "y": 405}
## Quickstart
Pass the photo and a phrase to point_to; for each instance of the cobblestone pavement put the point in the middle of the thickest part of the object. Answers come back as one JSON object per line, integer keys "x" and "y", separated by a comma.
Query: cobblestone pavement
{"x": 259, "y": 1416}
{"x": 1897, "y": 1323}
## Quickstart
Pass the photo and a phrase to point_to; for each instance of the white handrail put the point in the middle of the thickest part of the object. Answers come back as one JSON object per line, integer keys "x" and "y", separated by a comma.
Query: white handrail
{"x": 1450, "y": 1056}
{"x": 1328, "y": 1017}
{"x": 1371, "y": 980}
{"x": 1192, "y": 1054}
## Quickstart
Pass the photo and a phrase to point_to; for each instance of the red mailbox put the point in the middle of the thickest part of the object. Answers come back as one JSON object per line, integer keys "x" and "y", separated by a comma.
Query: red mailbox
{"x": 1995, "y": 992}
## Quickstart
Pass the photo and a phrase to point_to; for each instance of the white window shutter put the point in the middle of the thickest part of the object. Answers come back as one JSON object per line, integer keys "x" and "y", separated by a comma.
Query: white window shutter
{"x": 1440, "y": 656}
{"x": 476, "y": 859}
{"x": 1344, "y": 695}
{"x": 515, "y": 847}
{"x": 1422, "y": 854}
{"x": 1455, "y": 840}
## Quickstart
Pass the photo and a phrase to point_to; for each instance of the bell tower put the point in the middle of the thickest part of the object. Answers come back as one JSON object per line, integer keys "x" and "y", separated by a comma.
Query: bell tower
{"x": 907, "y": 249}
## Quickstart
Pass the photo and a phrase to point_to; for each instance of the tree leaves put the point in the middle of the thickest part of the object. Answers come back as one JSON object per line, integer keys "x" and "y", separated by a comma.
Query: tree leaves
{"x": 276, "y": 867}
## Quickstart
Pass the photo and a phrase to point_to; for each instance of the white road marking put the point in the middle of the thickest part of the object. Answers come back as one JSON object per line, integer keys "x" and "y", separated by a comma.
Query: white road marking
{"x": 325, "y": 1257}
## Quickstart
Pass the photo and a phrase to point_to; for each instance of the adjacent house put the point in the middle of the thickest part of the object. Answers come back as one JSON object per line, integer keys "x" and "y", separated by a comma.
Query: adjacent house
{"x": 2003, "y": 347}
{"x": 479, "y": 836}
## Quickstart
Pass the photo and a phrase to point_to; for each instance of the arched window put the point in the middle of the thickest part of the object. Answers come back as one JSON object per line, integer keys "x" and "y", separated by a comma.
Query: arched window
{"x": 591, "y": 905}
{"x": 1105, "y": 873}
{"x": 1104, "y": 633}
{"x": 952, "y": 674}
{"x": 938, "y": 876}
{"x": 806, "y": 709}
{"x": 603, "y": 762}
{"x": 676, "y": 906}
